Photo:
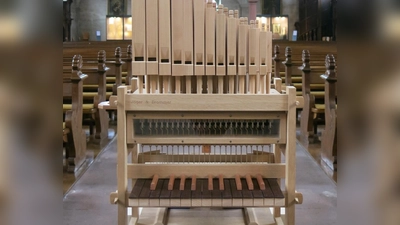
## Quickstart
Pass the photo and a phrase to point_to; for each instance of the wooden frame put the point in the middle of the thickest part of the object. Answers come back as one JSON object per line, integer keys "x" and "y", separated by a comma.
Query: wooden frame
{"x": 133, "y": 106}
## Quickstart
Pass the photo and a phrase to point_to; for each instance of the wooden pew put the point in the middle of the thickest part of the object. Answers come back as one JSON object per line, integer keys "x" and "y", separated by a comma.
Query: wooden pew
{"x": 306, "y": 121}
{"x": 96, "y": 76}
{"x": 291, "y": 72}
{"x": 329, "y": 136}
{"x": 74, "y": 137}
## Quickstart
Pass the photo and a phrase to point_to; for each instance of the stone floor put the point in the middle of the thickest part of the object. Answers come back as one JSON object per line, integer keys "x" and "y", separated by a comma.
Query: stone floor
{"x": 86, "y": 193}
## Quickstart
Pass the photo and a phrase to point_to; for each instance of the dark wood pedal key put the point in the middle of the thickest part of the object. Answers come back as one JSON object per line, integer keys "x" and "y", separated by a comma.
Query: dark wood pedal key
{"x": 145, "y": 193}
{"x": 235, "y": 192}
{"x": 205, "y": 193}
{"x": 137, "y": 188}
{"x": 267, "y": 192}
{"x": 227, "y": 192}
{"x": 276, "y": 190}
{"x": 216, "y": 193}
{"x": 198, "y": 191}
{"x": 245, "y": 191}
{"x": 165, "y": 193}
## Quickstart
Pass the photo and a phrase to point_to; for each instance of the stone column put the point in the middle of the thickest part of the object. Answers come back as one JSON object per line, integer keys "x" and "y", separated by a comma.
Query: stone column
{"x": 252, "y": 9}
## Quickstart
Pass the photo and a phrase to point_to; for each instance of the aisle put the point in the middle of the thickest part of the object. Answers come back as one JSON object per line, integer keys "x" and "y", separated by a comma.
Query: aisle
{"x": 88, "y": 201}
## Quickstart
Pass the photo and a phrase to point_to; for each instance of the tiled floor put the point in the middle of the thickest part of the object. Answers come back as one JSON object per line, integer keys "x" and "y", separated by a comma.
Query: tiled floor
{"x": 87, "y": 201}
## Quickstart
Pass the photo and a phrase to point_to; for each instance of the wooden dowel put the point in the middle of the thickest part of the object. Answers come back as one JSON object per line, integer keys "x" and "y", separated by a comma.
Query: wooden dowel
{"x": 238, "y": 182}
{"x": 153, "y": 83}
{"x": 268, "y": 83}
{"x": 193, "y": 187}
{"x": 258, "y": 82}
{"x": 171, "y": 182}
{"x": 188, "y": 85}
{"x": 177, "y": 85}
{"x": 199, "y": 84}
{"x": 231, "y": 84}
{"x": 210, "y": 182}
{"x": 242, "y": 84}
{"x": 182, "y": 184}
{"x": 220, "y": 84}
{"x": 153, "y": 184}
{"x": 221, "y": 182}
{"x": 250, "y": 184}
{"x": 260, "y": 182}
{"x": 252, "y": 84}
{"x": 140, "y": 84}
{"x": 209, "y": 84}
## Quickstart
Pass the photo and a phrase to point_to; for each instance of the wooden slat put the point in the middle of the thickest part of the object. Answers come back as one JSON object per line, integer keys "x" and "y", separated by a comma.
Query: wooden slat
{"x": 237, "y": 102}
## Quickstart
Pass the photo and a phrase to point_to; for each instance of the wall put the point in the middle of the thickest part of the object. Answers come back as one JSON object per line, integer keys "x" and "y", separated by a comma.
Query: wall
{"x": 90, "y": 15}
{"x": 290, "y": 8}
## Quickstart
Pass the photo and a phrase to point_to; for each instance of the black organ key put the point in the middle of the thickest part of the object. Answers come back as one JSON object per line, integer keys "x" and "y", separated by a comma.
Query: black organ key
{"x": 267, "y": 192}
{"x": 235, "y": 192}
{"x": 176, "y": 193}
{"x": 145, "y": 193}
{"x": 187, "y": 193}
{"x": 227, "y": 193}
{"x": 165, "y": 193}
{"x": 137, "y": 188}
{"x": 246, "y": 192}
{"x": 205, "y": 193}
{"x": 257, "y": 191}
{"x": 276, "y": 190}
{"x": 216, "y": 193}
{"x": 197, "y": 193}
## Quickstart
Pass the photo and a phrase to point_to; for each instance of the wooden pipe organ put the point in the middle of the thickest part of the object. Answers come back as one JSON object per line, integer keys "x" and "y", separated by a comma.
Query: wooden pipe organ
{"x": 204, "y": 128}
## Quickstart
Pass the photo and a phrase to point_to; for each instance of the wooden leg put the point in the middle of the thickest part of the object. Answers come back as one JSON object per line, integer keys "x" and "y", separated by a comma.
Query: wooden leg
{"x": 123, "y": 215}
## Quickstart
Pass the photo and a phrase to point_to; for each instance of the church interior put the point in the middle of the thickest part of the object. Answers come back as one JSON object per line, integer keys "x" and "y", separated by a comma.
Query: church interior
{"x": 200, "y": 112}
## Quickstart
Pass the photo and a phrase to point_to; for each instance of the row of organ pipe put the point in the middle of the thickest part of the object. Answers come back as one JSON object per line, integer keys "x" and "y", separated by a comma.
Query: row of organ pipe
{"x": 195, "y": 47}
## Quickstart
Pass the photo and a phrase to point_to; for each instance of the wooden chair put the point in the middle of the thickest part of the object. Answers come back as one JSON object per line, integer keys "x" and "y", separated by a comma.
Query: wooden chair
{"x": 329, "y": 135}
{"x": 74, "y": 136}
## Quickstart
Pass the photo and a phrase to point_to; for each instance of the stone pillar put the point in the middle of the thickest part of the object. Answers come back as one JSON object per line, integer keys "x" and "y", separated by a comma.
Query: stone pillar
{"x": 252, "y": 9}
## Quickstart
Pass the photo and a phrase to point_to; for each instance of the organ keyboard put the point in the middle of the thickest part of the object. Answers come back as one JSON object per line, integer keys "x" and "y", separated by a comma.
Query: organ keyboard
{"x": 207, "y": 192}
{"x": 211, "y": 141}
